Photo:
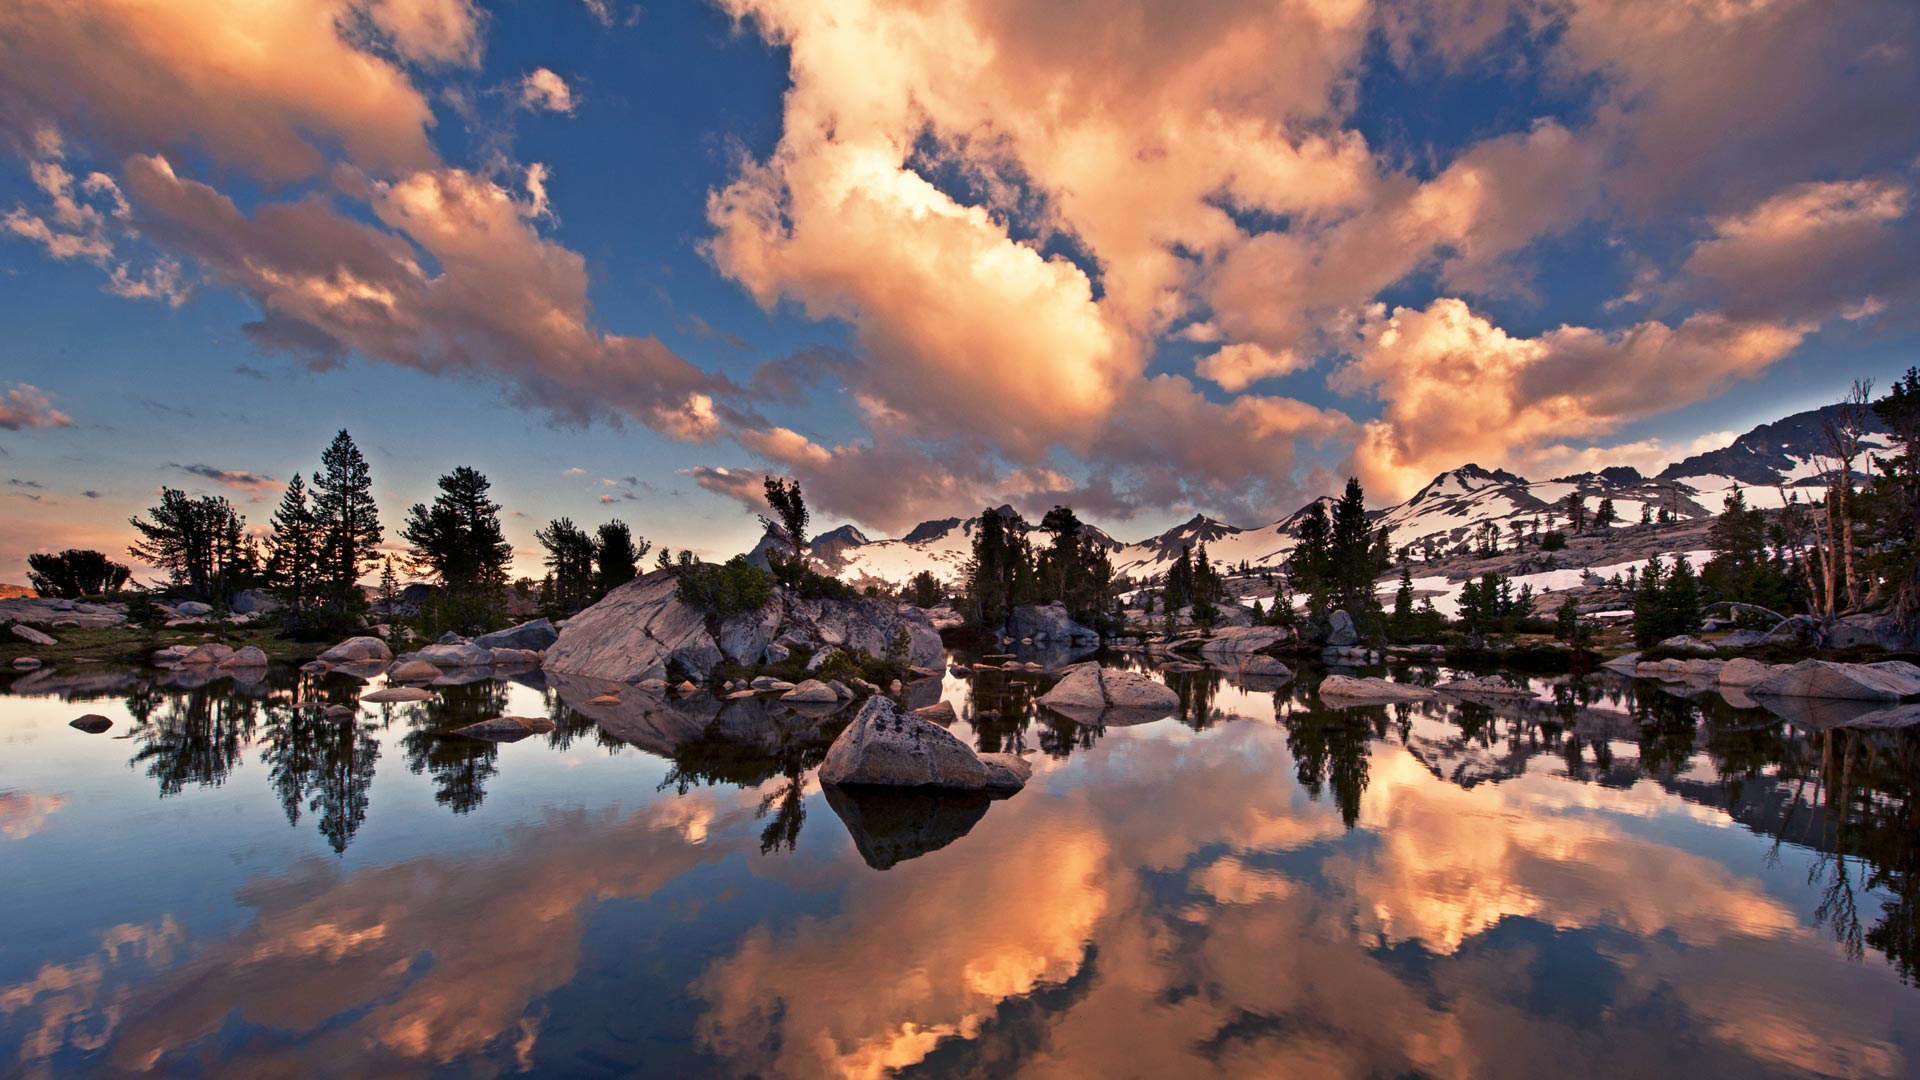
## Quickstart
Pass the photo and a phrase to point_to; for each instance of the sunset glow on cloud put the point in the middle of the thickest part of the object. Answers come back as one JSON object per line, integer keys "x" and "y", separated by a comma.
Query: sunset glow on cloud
{"x": 1145, "y": 257}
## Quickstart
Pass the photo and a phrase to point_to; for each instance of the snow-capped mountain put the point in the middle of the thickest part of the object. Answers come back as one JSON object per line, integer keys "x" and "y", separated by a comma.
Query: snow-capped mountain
{"x": 1447, "y": 513}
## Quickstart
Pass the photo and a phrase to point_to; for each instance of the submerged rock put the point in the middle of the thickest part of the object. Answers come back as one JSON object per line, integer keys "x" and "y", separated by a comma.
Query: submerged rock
{"x": 1345, "y": 689}
{"x": 506, "y": 728}
{"x": 1006, "y": 772}
{"x": 397, "y": 694}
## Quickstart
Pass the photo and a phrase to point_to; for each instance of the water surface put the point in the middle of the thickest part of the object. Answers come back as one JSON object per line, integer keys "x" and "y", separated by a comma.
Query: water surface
{"x": 1615, "y": 878}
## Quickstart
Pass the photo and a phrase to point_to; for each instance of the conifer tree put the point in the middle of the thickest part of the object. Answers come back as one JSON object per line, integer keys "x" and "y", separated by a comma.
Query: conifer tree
{"x": 294, "y": 549}
{"x": 349, "y": 522}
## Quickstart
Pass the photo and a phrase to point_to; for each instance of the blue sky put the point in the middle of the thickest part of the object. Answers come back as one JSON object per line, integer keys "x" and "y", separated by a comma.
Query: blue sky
{"x": 1140, "y": 257}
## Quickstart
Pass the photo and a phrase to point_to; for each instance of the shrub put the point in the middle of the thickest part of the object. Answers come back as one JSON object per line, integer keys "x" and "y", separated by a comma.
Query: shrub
{"x": 1553, "y": 541}
{"x": 728, "y": 589}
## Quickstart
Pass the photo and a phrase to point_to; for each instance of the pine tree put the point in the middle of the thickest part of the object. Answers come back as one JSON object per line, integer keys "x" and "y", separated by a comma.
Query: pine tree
{"x": 617, "y": 557}
{"x": 570, "y": 560}
{"x": 349, "y": 522}
{"x": 200, "y": 542}
{"x": 1309, "y": 567}
{"x": 459, "y": 541}
{"x": 389, "y": 587}
{"x": 1403, "y": 606}
{"x": 1605, "y": 516}
{"x": 1576, "y": 507}
{"x": 294, "y": 549}
{"x": 790, "y": 508}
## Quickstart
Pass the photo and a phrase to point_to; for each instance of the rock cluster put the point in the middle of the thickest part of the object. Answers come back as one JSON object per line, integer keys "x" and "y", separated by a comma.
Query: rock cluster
{"x": 1091, "y": 689}
{"x": 642, "y": 629}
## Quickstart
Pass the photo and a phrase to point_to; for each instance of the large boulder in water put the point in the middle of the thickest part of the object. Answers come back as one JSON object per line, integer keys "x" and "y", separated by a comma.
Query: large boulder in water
{"x": 1233, "y": 646}
{"x": 1090, "y": 688}
{"x": 536, "y": 635}
{"x": 358, "y": 650}
{"x": 1048, "y": 623}
{"x": 459, "y": 655}
{"x": 1891, "y": 680}
{"x": 641, "y": 628}
{"x": 885, "y": 747}
{"x": 1347, "y": 690}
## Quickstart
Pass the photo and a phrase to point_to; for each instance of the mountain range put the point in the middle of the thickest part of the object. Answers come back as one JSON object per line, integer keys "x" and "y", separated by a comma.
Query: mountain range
{"x": 1768, "y": 462}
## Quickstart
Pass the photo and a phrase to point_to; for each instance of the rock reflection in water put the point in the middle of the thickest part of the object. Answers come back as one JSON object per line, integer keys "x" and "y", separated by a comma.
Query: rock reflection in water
{"x": 890, "y": 826}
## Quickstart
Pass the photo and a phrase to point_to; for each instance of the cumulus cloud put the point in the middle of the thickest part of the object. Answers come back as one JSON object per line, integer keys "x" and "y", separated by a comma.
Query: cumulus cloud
{"x": 1235, "y": 367}
{"x": 1454, "y": 387}
{"x": 542, "y": 89}
{"x": 279, "y": 82}
{"x": 27, "y": 406}
{"x": 504, "y": 300}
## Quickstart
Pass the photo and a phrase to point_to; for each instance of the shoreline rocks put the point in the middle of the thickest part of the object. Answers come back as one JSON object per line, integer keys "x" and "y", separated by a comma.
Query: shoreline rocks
{"x": 1890, "y": 680}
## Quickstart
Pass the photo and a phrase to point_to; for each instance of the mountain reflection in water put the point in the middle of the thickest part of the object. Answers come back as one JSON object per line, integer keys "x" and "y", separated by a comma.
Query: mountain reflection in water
{"x": 1610, "y": 878}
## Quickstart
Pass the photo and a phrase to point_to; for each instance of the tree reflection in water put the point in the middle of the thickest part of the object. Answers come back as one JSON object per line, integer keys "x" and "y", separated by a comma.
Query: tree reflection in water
{"x": 323, "y": 763}
{"x": 191, "y": 737}
{"x": 458, "y": 765}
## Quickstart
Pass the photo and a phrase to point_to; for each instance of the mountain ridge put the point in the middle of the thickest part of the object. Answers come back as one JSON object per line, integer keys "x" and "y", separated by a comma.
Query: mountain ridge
{"x": 1447, "y": 512}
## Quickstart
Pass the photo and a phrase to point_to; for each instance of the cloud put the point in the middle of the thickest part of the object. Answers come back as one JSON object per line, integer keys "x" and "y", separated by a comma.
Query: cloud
{"x": 27, "y": 406}
{"x": 238, "y": 479}
{"x": 1235, "y": 367}
{"x": 1810, "y": 251}
{"x": 23, "y": 813}
{"x": 542, "y": 89}
{"x": 1456, "y": 388}
{"x": 502, "y": 300}
{"x": 281, "y": 81}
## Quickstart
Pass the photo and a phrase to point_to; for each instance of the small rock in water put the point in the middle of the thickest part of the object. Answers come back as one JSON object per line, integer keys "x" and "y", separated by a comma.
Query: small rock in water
{"x": 340, "y": 712}
{"x": 26, "y": 663}
{"x": 686, "y": 687}
{"x": 397, "y": 693}
{"x": 605, "y": 699}
{"x": 506, "y": 728}
{"x": 939, "y": 713}
{"x": 92, "y": 723}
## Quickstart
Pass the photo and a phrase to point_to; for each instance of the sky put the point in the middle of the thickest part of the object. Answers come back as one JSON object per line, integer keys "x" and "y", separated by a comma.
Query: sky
{"x": 1142, "y": 257}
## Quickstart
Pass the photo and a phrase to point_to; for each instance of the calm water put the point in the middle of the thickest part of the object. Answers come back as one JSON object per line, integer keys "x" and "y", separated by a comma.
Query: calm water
{"x": 1613, "y": 880}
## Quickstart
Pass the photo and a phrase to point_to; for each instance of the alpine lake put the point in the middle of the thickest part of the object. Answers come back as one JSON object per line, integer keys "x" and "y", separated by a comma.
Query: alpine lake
{"x": 1614, "y": 877}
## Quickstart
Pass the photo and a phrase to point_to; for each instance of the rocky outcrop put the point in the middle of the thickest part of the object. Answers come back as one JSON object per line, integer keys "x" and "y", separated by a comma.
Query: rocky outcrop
{"x": 32, "y": 636}
{"x": 1891, "y": 680}
{"x": 1868, "y": 630}
{"x": 193, "y": 609}
{"x": 1347, "y": 690}
{"x": 254, "y": 602}
{"x": 534, "y": 635}
{"x": 1342, "y": 630}
{"x": 885, "y": 747}
{"x": 356, "y": 650}
{"x": 1047, "y": 623}
{"x": 1088, "y": 688}
{"x": 641, "y": 629}
{"x": 207, "y": 655}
